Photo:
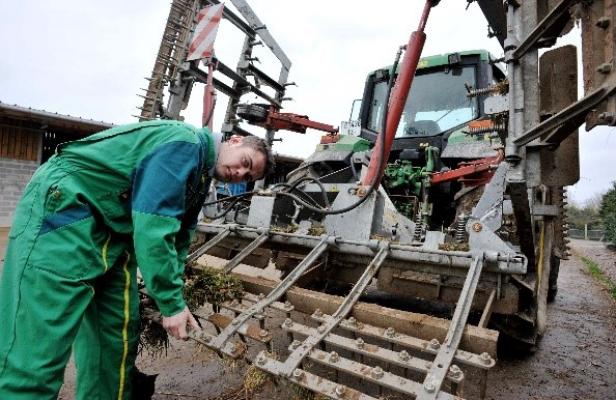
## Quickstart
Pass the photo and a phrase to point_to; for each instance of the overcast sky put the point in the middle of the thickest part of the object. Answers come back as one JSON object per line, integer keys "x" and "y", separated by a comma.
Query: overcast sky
{"x": 89, "y": 58}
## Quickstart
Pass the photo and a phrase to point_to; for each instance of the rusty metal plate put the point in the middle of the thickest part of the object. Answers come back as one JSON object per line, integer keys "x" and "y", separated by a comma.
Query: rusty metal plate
{"x": 598, "y": 51}
{"x": 557, "y": 90}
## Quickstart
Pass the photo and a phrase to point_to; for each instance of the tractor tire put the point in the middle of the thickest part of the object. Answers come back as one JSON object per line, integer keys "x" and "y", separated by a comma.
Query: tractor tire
{"x": 253, "y": 113}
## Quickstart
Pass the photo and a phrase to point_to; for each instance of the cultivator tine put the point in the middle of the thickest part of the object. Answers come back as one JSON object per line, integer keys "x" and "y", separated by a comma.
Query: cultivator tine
{"x": 220, "y": 341}
{"x": 246, "y": 252}
{"x": 399, "y": 339}
{"x": 431, "y": 388}
{"x": 398, "y": 358}
{"x": 313, "y": 382}
{"x": 296, "y": 357}
{"x": 208, "y": 245}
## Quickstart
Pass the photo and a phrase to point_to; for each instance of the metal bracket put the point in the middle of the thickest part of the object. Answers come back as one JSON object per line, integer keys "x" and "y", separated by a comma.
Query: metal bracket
{"x": 435, "y": 377}
{"x": 489, "y": 209}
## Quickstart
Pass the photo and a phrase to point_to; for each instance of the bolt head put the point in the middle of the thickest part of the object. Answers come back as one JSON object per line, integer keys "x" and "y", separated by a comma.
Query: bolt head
{"x": 261, "y": 359}
{"x": 377, "y": 372}
{"x": 360, "y": 342}
{"x": 429, "y": 387}
{"x": 321, "y": 328}
{"x": 485, "y": 358}
{"x": 340, "y": 390}
{"x": 604, "y": 68}
{"x": 295, "y": 344}
{"x": 603, "y": 22}
{"x": 298, "y": 373}
{"x": 288, "y": 304}
{"x": 455, "y": 371}
{"x": 235, "y": 322}
{"x": 263, "y": 333}
{"x": 404, "y": 355}
{"x": 261, "y": 296}
{"x": 435, "y": 344}
{"x": 477, "y": 227}
{"x": 352, "y": 321}
{"x": 390, "y": 332}
{"x": 317, "y": 313}
{"x": 288, "y": 322}
{"x": 334, "y": 357}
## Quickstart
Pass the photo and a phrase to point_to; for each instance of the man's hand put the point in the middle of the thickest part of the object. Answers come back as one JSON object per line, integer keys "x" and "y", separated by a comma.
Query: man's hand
{"x": 176, "y": 324}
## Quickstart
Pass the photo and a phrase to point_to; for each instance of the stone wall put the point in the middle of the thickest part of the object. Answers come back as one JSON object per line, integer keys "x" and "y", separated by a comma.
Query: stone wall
{"x": 14, "y": 176}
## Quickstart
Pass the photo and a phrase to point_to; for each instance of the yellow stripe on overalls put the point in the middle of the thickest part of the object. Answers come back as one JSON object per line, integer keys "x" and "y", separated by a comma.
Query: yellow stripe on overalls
{"x": 125, "y": 328}
{"x": 105, "y": 247}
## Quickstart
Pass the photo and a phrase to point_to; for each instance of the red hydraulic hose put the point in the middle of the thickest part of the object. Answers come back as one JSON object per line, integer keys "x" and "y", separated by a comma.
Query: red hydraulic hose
{"x": 398, "y": 99}
{"x": 209, "y": 98}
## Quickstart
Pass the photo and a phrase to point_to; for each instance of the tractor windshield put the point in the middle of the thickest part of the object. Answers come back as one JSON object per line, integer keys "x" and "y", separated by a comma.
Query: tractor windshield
{"x": 437, "y": 102}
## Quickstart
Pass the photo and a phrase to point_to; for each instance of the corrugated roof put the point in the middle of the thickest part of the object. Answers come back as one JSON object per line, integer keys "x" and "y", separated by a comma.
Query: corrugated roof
{"x": 66, "y": 123}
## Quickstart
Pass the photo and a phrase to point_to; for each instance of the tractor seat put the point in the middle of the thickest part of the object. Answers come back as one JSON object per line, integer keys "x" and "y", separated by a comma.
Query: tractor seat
{"x": 424, "y": 127}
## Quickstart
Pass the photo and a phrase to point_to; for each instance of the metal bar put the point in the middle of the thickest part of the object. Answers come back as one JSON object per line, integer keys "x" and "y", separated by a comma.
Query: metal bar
{"x": 225, "y": 70}
{"x": 487, "y": 311}
{"x": 285, "y": 307}
{"x": 312, "y": 382}
{"x": 434, "y": 380}
{"x": 374, "y": 375}
{"x": 542, "y": 28}
{"x": 208, "y": 245}
{"x": 252, "y": 331}
{"x": 261, "y": 30}
{"x": 275, "y": 294}
{"x": 495, "y": 15}
{"x": 245, "y": 252}
{"x": 576, "y": 109}
{"x": 400, "y": 339}
{"x": 418, "y": 325}
{"x": 201, "y": 76}
{"x": 296, "y": 357}
{"x": 509, "y": 263}
{"x": 400, "y": 359}
{"x": 266, "y": 78}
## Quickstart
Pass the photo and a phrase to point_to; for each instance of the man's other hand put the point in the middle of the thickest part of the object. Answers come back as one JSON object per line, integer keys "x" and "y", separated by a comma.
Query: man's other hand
{"x": 176, "y": 324}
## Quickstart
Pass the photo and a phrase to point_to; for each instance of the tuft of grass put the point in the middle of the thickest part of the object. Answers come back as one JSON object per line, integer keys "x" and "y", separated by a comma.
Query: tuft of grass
{"x": 599, "y": 275}
{"x": 210, "y": 286}
{"x": 254, "y": 380}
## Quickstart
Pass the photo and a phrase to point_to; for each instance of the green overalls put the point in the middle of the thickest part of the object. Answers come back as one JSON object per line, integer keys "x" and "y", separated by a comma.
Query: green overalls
{"x": 125, "y": 197}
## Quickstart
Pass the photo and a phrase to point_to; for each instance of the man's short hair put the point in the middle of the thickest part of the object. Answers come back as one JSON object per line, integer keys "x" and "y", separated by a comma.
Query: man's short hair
{"x": 262, "y": 147}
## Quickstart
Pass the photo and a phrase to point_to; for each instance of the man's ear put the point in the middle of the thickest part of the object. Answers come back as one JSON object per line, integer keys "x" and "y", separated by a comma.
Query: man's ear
{"x": 235, "y": 139}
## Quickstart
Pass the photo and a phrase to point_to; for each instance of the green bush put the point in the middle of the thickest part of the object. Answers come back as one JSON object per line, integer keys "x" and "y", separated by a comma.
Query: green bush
{"x": 608, "y": 214}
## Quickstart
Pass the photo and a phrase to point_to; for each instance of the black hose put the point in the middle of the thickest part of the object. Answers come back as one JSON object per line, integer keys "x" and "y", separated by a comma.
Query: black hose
{"x": 381, "y": 161}
{"x": 318, "y": 182}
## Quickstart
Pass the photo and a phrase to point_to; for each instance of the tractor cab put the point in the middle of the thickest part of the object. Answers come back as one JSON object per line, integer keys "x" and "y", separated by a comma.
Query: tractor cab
{"x": 442, "y": 101}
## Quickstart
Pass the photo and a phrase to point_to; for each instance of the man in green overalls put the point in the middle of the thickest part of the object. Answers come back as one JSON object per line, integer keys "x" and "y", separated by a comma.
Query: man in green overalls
{"x": 101, "y": 206}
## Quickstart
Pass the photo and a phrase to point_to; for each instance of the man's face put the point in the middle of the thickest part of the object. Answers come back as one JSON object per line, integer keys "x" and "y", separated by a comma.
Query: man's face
{"x": 239, "y": 163}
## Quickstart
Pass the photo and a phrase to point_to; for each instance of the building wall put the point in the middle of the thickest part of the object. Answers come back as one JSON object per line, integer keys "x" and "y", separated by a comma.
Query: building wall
{"x": 19, "y": 158}
{"x": 15, "y": 176}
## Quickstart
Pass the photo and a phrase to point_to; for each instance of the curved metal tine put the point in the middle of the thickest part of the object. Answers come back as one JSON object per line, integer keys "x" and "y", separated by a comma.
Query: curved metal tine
{"x": 440, "y": 366}
{"x": 296, "y": 357}
{"x": 208, "y": 245}
{"x": 245, "y": 252}
{"x": 274, "y": 295}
